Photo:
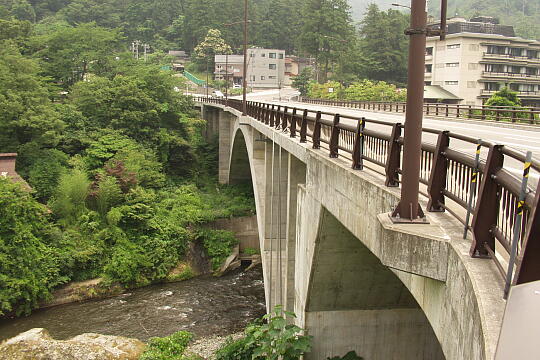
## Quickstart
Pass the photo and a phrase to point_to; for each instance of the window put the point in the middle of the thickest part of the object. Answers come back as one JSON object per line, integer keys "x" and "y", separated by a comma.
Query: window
{"x": 516, "y": 52}
{"x": 281, "y": 56}
{"x": 491, "y": 86}
{"x": 494, "y": 68}
{"x": 427, "y": 83}
{"x": 272, "y": 55}
{"x": 528, "y": 88}
{"x": 452, "y": 64}
{"x": 514, "y": 87}
{"x": 429, "y": 51}
{"x": 429, "y": 68}
{"x": 263, "y": 55}
{"x": 272, "y": 77}
{"x": 532, "y": 54}
{"x": 272, "y": 66}
{"x": 473, "y": 66}
{"x": 263, "y": 78}
{"x": 251, "y": 54}
{"x": 474, "y": 47}
{"x": 451, "y": 83}
{"x": 531, "y": 71}
{"x": 453, "y": 46}
{"x": 471, "y": 84}
{"x": 514, "y": 70}
{"x": 252, "y": 78}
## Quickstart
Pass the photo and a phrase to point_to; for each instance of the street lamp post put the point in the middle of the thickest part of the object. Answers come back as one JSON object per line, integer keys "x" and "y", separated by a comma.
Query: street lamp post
{"x": 408, "y": 209}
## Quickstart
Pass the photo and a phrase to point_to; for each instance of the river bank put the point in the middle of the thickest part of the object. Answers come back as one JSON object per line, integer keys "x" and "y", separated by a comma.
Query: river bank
{"x": 205, "y": 306}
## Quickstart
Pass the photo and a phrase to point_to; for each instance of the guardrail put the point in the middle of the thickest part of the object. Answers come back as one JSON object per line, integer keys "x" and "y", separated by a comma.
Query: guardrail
{"x": 480, "y": 193}
{"x": 194, "y": 79}
{"x": 526, "y": 115}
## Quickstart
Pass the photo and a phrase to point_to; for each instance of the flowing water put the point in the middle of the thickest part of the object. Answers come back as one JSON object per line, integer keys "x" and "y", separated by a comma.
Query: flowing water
{"x": 204, "y": 306}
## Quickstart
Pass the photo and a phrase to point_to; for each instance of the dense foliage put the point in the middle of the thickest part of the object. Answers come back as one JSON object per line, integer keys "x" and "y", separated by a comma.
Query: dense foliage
{"x": 171, "y": 347}
{"x": 272, "y": 338}
{"x": 122, "y": 179}
{"x": 365, "y": 90}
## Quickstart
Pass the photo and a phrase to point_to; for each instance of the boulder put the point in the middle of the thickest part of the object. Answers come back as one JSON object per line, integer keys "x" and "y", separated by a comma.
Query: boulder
{"x": 37, "y": 344}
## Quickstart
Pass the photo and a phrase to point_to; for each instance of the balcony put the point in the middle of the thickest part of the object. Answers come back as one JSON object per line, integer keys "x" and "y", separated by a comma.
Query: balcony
{"x": 520, "y": 93}
{"x": 507, "y": 57}
{"x": 507, "y": 75}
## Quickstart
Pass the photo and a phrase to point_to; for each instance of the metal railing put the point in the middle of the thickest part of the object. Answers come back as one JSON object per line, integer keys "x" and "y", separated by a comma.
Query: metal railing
{"x": 462, "y": 184}
{"x": 526, "y": 115}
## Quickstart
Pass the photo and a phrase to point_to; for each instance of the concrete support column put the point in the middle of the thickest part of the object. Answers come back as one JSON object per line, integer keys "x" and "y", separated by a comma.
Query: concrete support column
{"x": 225, "y": 145}
{"x": 297, "y": 176}
{"x": 277, "y": 165}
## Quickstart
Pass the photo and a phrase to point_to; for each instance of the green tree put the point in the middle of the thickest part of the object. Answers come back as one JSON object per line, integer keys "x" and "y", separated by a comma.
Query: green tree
{"x": 27, "y": 113}
{"x": 504, "y": 97}
{"x": 384, "y": 45}
{"x": 326, "y": 31}
{"x": 69, "y": 54}
{"x": 29, "y": 266}
{"x": 301, "y": 82}
{"x": 212, "y": 45}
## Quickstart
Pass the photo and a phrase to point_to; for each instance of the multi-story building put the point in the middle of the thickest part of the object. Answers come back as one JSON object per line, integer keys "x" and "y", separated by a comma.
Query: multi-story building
{"x": 479, "y": 57}
{"x": 265, "y": 68}
{"x": 294, "y": 66}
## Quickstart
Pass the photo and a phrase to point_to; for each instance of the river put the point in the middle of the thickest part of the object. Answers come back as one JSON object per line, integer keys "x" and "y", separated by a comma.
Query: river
{"x": 205, "y": 306}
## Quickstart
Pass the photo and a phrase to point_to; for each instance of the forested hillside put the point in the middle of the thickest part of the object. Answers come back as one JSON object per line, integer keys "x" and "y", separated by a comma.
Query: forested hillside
{"x": 524, "y": 15}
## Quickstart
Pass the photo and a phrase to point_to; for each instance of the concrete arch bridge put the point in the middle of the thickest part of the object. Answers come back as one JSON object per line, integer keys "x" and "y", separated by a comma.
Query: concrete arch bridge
{"x": 325, "y": 185}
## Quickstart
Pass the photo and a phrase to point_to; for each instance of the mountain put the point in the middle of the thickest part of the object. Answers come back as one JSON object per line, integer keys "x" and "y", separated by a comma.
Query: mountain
{"x": 524, "y": 15}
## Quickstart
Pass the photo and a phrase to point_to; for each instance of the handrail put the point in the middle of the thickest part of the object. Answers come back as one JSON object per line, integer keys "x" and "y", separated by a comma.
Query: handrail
{"x": 450, "y": 174}
{"x": 517, "y": 114}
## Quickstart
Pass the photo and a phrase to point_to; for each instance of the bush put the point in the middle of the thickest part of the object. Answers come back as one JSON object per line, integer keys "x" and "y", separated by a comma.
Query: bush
{"x": 167, "y": 348}
{"x": 236, "y": 350}
{"x": 272, "y": 340}
{"x": 218, "y": 245}
{"x": 29, "y": 264}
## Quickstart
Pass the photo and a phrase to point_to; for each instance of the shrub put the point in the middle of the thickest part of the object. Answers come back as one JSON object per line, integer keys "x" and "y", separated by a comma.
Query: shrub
{"x": 167, "y": 348}
{"x": 272, "y": 339}
{"x": 29, "y": 265}
{"x": 218, "y": 245}
{"x": 236, "y": 350}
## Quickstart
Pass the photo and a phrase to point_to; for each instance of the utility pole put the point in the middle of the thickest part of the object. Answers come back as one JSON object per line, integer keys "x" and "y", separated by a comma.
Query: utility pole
{"x": 227, "y": 79}
{"x": 146, "y": 47}
{"x": 408, "y": 209}
{"x": 244, "y": 92}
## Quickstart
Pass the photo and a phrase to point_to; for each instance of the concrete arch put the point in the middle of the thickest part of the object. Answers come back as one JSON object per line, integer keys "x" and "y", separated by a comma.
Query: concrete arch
{"x": 354, "y": 299}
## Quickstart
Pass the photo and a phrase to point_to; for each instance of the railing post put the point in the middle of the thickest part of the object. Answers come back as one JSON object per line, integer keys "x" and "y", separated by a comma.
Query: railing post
{"x": 292, "y": 127}
{"x": 437, "y": 179}
{"x": 437, "y": 109}
{"x": 303, "y": 127}
{"x": 528, "y": 269}
{"x": 486, "y": 205}
{"x": 447, "y": 111}
{"x": 393, "y": 161}
{"x": 272, "y": 116}
{"x": 334, "y": 138}
{"x": 278, "y": 118}
{"x": 458, "y": 112}
{"x": 283, "y": 124}
{"x": 317, "y": 131}
{"x": 531, "y": 116}
{"x": 470, "y": 112}
{"x": 275, "y": 118}
{"x": 427, "y": 108}
{"x": 358, "y": 150}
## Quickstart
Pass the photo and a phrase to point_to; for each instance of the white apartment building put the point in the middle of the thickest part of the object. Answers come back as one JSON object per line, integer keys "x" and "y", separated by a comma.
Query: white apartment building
{"x": 480, "y": 57}
{"x": 265, "y": 68}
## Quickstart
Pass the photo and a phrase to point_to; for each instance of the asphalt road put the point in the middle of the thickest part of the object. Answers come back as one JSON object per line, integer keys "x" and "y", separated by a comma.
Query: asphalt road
{"x": 522, "y": 138}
